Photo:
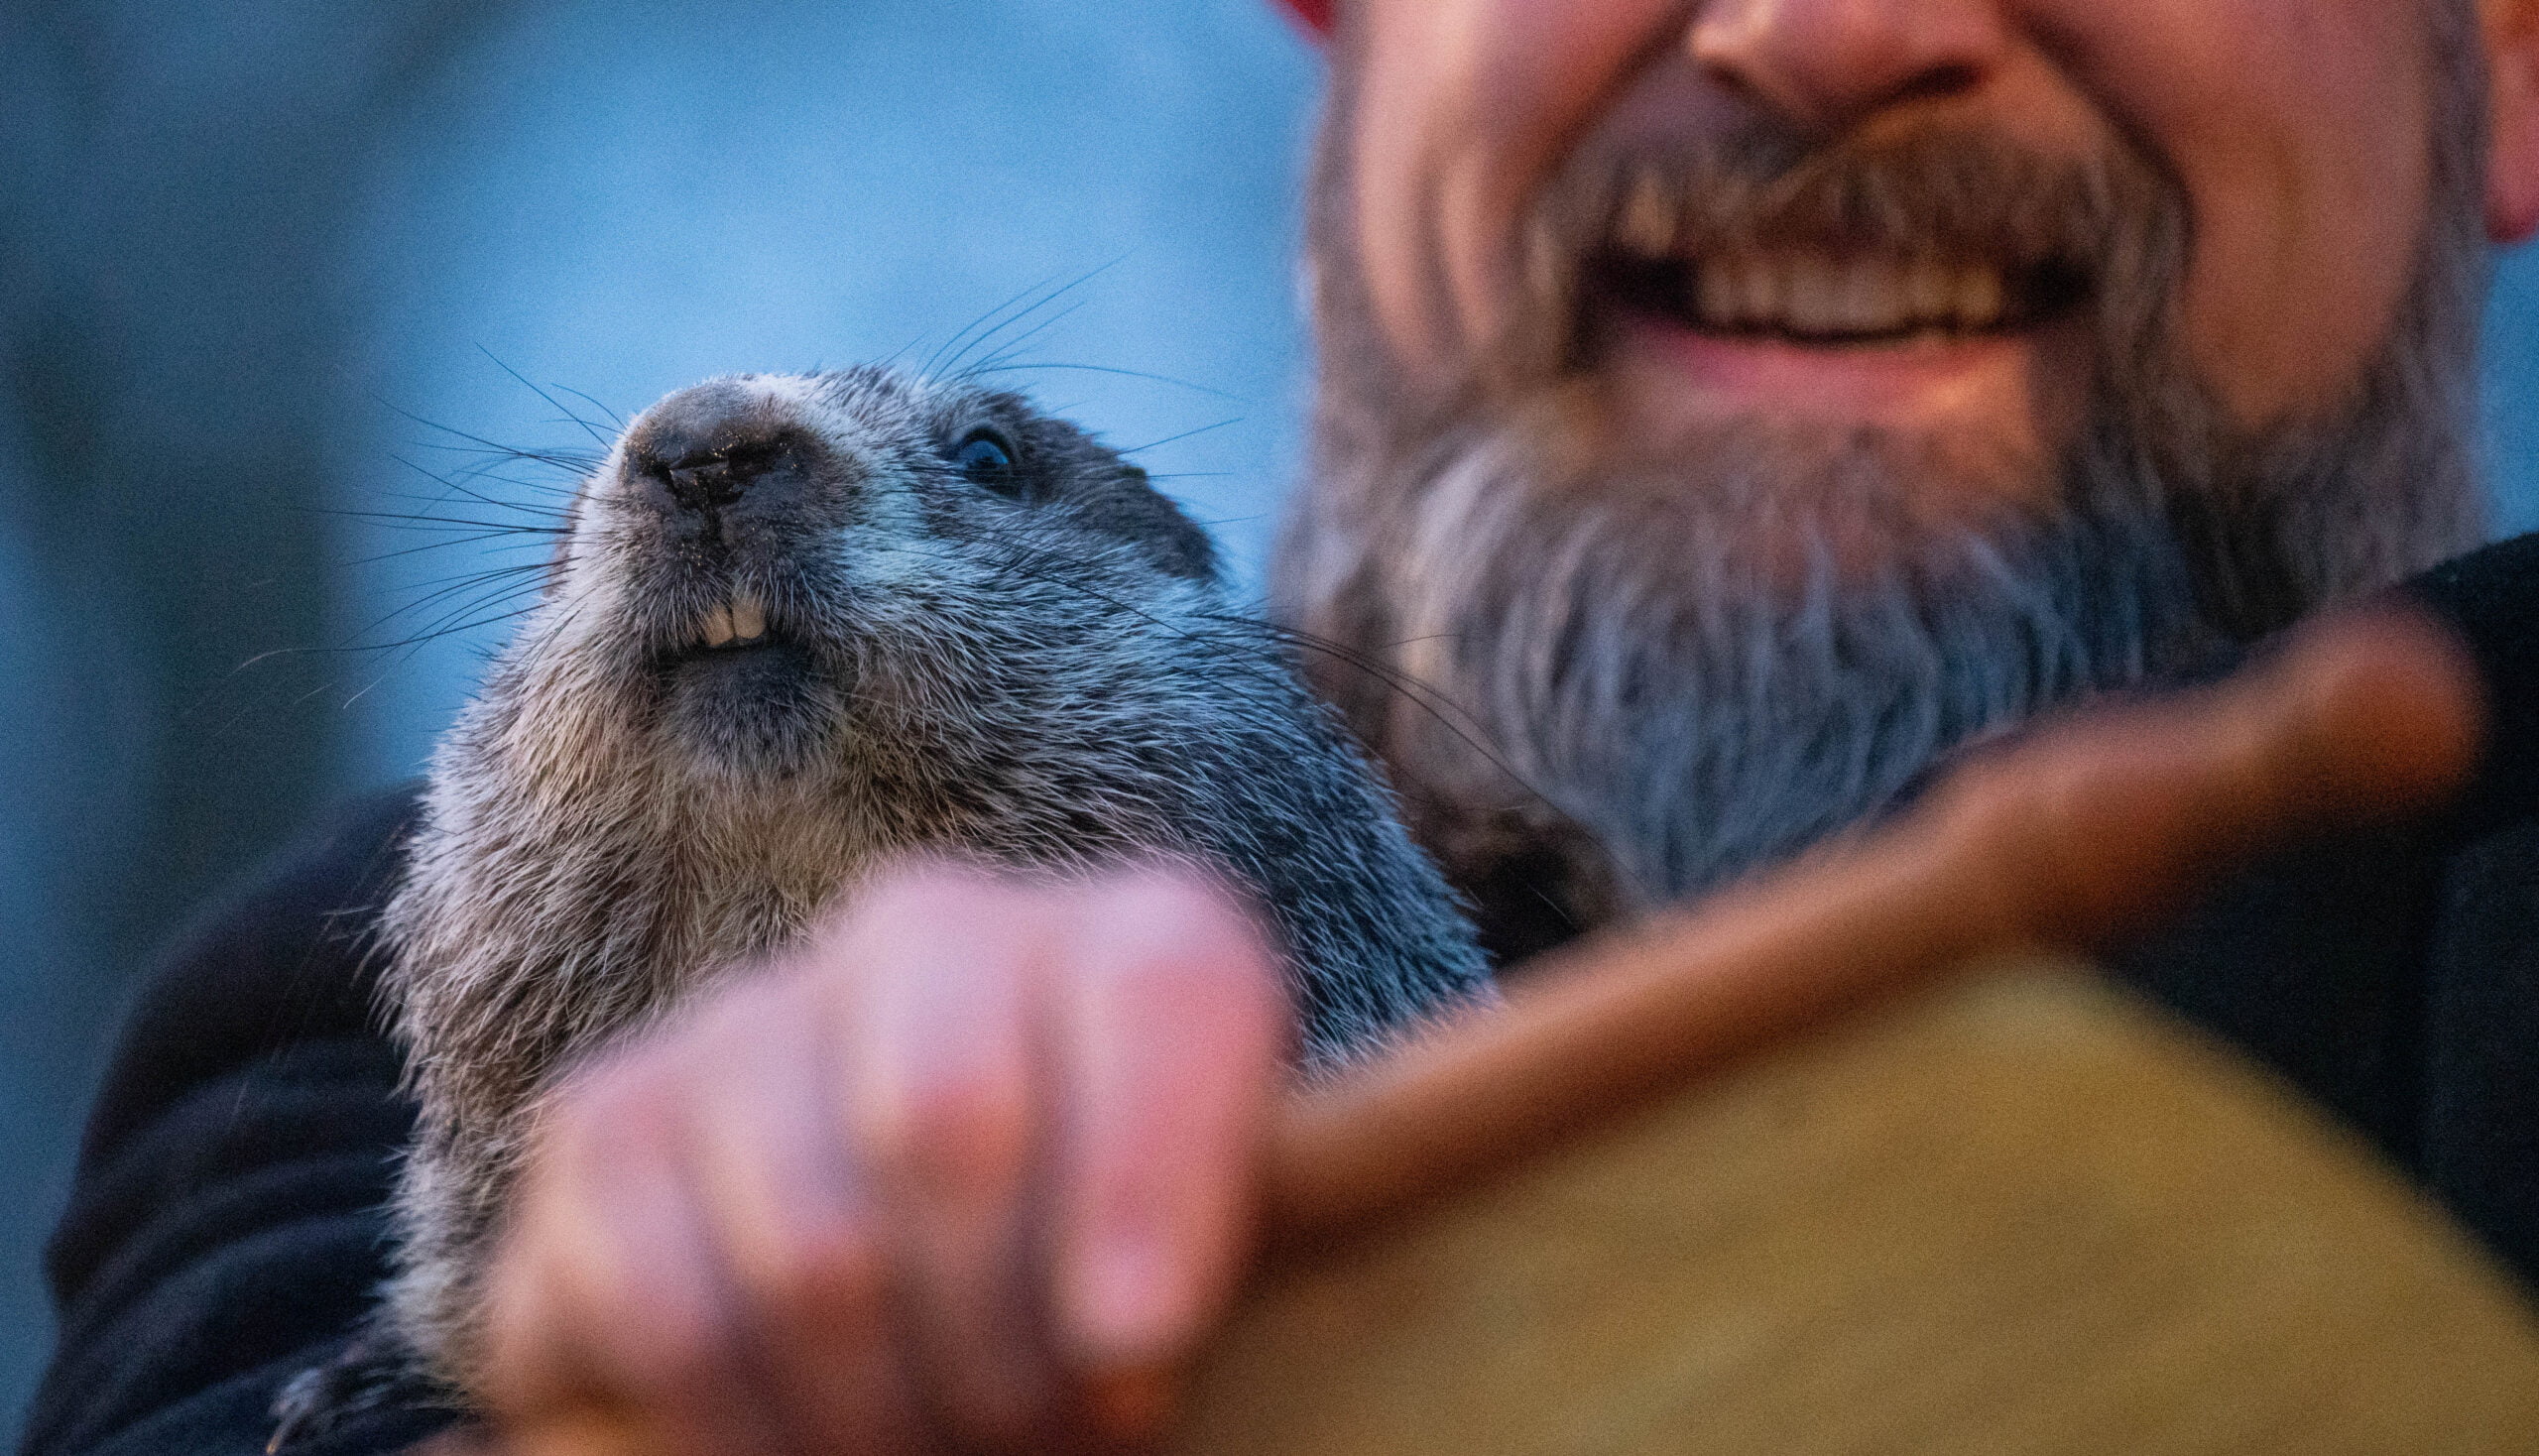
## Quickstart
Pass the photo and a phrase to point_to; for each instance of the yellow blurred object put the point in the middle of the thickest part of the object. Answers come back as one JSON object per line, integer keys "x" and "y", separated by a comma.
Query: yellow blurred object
{"x": 2017, "y": 1213}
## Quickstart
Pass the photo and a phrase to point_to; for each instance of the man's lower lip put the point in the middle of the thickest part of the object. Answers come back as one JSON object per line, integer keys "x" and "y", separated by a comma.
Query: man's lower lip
{"x": 1865, "y": 381}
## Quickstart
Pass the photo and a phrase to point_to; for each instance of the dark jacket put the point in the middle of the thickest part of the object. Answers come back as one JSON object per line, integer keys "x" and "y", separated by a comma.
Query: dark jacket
{"x": 225, "y": 1227}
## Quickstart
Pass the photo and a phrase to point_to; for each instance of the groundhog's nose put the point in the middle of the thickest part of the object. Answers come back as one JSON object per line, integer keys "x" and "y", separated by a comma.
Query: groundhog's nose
{"x": 716, "y": 478}
{"x": 708, "y": 448}
{"x": 708, "y": 477}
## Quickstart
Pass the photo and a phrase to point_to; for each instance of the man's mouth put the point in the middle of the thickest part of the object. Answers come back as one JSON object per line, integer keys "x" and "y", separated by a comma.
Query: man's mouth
{"x": 1932, "y": 335}
{"x": 1823, "y": 297}
{"x": 1864, "y": 256}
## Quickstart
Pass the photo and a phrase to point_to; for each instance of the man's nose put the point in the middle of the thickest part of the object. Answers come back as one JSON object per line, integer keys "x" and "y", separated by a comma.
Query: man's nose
{"x": 1824, "y": 64}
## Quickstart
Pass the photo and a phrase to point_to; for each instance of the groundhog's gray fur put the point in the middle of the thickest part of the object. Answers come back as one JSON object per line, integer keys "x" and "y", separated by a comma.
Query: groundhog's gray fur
{"x": 1032, "y": 665}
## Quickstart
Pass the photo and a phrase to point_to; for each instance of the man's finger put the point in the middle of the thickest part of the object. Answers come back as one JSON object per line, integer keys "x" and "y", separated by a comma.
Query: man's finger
{"x": 613, "y": 1306}
{"x": 944, "y": 1095}
{"x": 1174, "y": 1024}
{"x": 794, "y": 1224}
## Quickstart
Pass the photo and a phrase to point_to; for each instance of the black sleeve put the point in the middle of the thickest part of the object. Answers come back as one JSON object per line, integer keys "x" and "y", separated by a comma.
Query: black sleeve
{"x": 2479, "y": 1120}
{"x": 225, "y": 1227}
{"x": 2393, "y": 974}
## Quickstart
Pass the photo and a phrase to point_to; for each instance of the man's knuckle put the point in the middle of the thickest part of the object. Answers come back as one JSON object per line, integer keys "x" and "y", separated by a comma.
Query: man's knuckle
{"x": 961, "y": 1136}
{"x": 822, "y": 1280}
{"x": 678, "y": 1349}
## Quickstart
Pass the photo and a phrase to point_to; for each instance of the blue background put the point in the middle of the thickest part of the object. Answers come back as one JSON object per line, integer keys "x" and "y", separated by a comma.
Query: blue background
{"x": 262, "y": 258}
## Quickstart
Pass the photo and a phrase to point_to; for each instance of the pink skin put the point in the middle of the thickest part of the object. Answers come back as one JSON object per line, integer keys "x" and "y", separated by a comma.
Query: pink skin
{"x": 979, "y": 1155}
{"x": 973, "y": 1159}
{"x": 2296, "y": 128}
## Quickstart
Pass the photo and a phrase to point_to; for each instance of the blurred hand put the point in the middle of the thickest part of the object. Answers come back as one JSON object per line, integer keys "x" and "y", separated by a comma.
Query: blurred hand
{"x": 971, "y": 1168}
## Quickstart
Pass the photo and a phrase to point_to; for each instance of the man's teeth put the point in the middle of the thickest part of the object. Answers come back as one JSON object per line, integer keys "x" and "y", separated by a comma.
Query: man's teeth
{"x": 1647, "y": 226}
{"x": 742, "y": 619}
{"x": 1821, "y": 293}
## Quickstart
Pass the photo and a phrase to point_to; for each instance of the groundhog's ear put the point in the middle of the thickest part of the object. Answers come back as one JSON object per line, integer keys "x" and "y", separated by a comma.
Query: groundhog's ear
{"x": 2510, "y": 30}
{"x": 1180, "y": 545}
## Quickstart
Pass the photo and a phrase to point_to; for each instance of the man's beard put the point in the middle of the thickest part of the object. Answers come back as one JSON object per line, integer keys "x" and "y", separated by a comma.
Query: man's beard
{"x": 1633, "y": 672}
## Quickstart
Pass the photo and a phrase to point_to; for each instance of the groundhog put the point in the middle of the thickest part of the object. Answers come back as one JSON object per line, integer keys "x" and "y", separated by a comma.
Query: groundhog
{"x": 799, "y": 626}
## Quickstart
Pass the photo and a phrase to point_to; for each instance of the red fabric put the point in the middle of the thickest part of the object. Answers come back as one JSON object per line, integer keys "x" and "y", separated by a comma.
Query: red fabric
{"x": 1314, "y": 15}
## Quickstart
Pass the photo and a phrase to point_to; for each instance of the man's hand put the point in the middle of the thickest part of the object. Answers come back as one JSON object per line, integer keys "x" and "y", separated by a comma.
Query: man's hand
{"x": 970, "y": 1167}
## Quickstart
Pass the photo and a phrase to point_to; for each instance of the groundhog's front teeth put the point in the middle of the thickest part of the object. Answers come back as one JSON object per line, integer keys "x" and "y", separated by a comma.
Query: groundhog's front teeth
{"x": 742, "y": 619}
{"x": 719, "y": 626}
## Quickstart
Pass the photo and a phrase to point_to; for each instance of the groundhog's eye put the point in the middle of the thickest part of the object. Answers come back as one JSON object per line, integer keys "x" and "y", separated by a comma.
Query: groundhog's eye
{"x": 986, "y": 456}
